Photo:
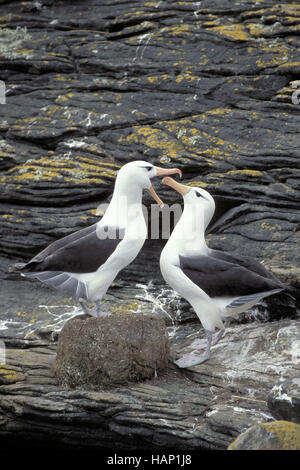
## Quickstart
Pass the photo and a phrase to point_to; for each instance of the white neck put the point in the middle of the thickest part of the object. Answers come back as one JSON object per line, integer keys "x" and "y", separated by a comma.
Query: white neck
{"x": 125, "y": 208}
{"x": 128, "y": 194}
{"x": 189, "y": 233}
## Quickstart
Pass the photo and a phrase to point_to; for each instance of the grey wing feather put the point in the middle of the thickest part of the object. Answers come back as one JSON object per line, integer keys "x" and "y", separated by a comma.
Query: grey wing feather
{"x": 62, "y": 281}
{"x": 245, "y": 299}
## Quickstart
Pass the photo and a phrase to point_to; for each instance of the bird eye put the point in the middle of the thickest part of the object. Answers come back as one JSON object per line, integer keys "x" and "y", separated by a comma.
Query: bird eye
{"x": 148, "y": 168}
{"x": 198, "y": 194}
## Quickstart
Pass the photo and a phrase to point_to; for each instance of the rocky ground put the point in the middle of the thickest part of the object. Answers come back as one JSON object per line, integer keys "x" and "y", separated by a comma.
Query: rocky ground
{"x": 209, "y": 87}
{"x": 204, "y": 407}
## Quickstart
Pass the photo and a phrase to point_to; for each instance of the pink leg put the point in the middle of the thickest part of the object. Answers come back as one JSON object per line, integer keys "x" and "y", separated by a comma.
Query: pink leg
{"x": 191, "y": 359}
{"x": 201, "y": 343}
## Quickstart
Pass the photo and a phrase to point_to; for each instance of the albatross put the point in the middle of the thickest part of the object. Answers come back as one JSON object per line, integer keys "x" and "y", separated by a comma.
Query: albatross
{"x": 85, "y": 263}
{"x": 217, "y": 284}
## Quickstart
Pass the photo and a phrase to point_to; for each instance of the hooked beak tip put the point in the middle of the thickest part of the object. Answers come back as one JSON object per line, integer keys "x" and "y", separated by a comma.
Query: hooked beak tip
{"x": 168, "y": 171}
{"x": 166, "y": 180}
{"x": 180, "y": 188}
{"x": 156, "y": 197}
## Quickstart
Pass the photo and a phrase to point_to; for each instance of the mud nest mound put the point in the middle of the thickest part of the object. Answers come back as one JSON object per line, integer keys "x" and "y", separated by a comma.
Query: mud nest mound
{"x": 108, "y": 350}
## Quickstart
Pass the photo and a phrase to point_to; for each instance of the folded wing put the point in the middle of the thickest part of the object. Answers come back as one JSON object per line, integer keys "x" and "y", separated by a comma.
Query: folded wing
{"x": 227, "y": 278}
{"x": 81, "y": 252}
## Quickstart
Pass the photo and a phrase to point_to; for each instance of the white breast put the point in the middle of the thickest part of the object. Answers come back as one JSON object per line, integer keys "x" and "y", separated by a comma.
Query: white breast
{"x": 125, "y": 252}
{"x": 208, "y": 312}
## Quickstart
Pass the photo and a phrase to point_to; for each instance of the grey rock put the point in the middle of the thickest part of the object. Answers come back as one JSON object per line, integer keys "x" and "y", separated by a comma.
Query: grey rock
{"x": 204, "y": 407}
{"x": 288, "y": 342}
{"x": 279, "y": 435}
{"x": 284, "y": 400}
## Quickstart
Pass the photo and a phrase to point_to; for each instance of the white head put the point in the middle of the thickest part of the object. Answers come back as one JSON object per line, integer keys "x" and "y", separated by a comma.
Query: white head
{"x": 138, "y": 173}
{"x": 137, "y": 176}
{"x": 201, "y": 201}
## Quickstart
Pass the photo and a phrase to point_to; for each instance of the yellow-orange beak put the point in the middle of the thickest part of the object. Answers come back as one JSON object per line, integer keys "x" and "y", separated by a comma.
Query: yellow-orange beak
{"x": 163, "y": 172}
{"x": 180, "y": 188}
{"x": 156, "y": 197}
{"x": 167, "y": 171}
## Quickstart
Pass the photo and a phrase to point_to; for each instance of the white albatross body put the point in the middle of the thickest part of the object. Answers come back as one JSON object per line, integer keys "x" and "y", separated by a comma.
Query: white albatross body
{"x": 85, "y": 263}
{"x": 129, "y": 217}
{"x": 187, "y": 242}
{"x": 217, "y": 284}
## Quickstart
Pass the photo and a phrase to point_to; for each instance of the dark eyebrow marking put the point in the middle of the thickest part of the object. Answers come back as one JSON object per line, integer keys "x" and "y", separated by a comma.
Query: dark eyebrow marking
{"x": 199, "y": 195}
{"x": 147, "y": 167}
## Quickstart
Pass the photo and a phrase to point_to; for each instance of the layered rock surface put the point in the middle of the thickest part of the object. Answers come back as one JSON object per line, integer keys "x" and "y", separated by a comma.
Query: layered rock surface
{"x": 193, "y": 84}
{"x": 210, "y": 87}
{"x": 205, "y": 407}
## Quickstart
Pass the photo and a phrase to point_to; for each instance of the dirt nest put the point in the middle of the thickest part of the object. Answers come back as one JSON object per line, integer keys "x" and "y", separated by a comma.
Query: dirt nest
{"x": 108, "y": 350}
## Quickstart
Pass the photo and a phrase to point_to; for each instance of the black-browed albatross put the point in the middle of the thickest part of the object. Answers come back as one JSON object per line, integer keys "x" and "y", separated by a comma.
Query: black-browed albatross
{"x": 218, "y": 285}
{"x": 85, "y": 263}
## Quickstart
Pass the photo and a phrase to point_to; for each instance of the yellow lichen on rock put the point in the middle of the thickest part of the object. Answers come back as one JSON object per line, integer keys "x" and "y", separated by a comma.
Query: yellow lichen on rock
{"x": 158, "y": 139}
{"x": 273, "y": 54}
{"x": 200, "y": 184}
{"x": 179, "y": 137}
{"x": 246, "y": 172}
{"x": 256, "y": 29}
{"x": 132, "y": 307}
{"x": 267, "y": 226}
{"x": 277, "y": 435}
{"x": 233, "y": 32}
{"x": 80, "y": 169}
{"x": 287, "y": 433}
{"x": 8, "y": 375}
{"x": 177, "y": 30}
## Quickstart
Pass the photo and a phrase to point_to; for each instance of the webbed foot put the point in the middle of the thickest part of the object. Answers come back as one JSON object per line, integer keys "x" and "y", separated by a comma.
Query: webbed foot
{"x": 202, "y": 343}
{"x": 85, "y": 308}
{"x": 189, "y": 360}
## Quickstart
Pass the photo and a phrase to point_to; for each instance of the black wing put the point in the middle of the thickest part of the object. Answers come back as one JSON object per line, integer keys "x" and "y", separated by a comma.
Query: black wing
{"x": 80, "y": 252}
{"x": 221, "y": 278}
{"x": 245, "y": 261}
